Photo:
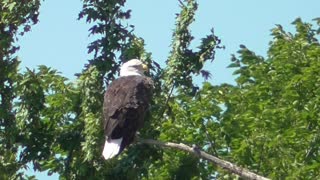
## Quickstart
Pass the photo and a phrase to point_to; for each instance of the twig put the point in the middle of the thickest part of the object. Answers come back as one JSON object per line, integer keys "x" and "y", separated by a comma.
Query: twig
{"x": 167, "y": 101}
{"x": 182, "y": 4}
{"x": 244, "y": 173}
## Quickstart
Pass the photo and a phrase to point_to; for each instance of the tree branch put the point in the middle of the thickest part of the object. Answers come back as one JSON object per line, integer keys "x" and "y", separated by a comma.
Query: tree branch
{"x": 245, "y": 173}
{"x": 167, "y": 101}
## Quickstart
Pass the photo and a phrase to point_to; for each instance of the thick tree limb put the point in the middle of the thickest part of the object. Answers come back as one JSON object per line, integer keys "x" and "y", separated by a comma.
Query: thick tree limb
{"x": 245, "y": 173}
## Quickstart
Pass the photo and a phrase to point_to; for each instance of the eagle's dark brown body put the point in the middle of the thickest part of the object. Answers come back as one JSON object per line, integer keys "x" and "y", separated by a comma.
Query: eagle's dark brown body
{"x": 126, "y": 102}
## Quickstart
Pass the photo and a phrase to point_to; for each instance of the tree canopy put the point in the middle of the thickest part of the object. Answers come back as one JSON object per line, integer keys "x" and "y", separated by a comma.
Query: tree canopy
{"x": 268, "y": 122}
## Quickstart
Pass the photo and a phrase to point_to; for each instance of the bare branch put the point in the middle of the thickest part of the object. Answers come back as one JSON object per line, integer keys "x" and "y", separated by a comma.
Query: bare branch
{"x": 182, "y": 4}
{"x": 245, "y": 173}
{"x": 167, "y": 101}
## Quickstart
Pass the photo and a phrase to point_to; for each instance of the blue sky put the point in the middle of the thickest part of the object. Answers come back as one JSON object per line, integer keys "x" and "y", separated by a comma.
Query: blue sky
{"x": 60, "y": 41}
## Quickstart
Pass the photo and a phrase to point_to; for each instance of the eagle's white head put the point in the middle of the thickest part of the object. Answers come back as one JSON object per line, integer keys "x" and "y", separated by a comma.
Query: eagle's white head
{"x": 133, "y": 67}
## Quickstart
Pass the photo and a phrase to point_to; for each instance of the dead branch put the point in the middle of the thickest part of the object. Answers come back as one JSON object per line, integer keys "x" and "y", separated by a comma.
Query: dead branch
{"x": 244, "y": 173}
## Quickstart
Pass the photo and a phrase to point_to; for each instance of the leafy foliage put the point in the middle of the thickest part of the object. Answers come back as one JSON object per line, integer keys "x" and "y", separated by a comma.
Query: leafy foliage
{"x": 267, "y": 122}
{"x": 183, "y": 61}
{"x": 114, "y": 36}
{"x": 274, "y": 107}
{"x": 15, "y": 17}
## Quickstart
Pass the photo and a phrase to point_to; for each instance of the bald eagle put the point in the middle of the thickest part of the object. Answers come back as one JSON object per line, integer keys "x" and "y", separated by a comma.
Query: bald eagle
{"x": 126, "y": 102}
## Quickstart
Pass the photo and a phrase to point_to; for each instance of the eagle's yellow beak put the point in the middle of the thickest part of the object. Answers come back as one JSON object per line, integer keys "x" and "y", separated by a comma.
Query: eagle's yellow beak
{"x": 145, "y": 67}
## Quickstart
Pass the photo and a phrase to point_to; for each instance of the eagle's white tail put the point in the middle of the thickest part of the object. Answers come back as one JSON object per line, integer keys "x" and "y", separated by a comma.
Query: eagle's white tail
{"x": 111, "y": 148}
